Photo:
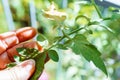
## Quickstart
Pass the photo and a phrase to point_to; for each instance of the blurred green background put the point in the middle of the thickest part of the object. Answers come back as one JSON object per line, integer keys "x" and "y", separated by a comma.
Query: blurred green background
{"x": 70, "y": 66}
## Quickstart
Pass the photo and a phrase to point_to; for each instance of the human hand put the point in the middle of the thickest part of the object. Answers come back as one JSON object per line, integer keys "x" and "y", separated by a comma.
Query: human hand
{"x": 20, "y": 72}
{"x": 9, "y": 41}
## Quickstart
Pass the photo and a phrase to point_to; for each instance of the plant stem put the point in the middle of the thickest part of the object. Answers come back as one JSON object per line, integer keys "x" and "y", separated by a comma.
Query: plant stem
{"x": 75, "y": 31}
{"x": 108, "y": 18}
{"x": 64, "y": 36}
{"x": 69, "y": 34}
{"x": 82, "y": 16}
{"x": 53, "y": 45}
{"x": 98, "y": 11}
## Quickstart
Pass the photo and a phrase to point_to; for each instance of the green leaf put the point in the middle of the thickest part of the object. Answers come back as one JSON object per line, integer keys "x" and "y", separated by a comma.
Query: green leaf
{"x": 26, "y": 53}
{"x": 68, "y": 43}
{"x": 61, "y": 46}
{"x": 88, "y": 51}
{"x": 10, "y": 65}
{"x": 21, "y": 51}
{"x": 115, "y": 16}
{"x": 40, "y": 61}
{"x": 41, "y": 38}
{"x": 53, "y": 55}
{"x": 89, "y": 31}
{"x": 34, "y": 54}
{"x": 17, "y": 59}
{"x": 79, "y": 38}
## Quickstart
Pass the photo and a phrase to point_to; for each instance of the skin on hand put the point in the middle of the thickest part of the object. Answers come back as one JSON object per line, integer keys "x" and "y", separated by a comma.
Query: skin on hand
{"x": 7, "y": 56}
{"x": 7, "y": 50}
{"x": 9, "y": 41}
{"x": 20, "y": 72}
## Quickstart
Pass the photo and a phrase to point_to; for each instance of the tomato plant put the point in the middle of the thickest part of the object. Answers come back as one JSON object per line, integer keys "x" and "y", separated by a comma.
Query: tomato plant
{"x": 65, "y": 37}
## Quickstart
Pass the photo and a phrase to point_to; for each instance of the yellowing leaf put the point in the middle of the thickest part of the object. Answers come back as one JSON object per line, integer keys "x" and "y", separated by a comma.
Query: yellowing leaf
{"x": 53, "y": 14}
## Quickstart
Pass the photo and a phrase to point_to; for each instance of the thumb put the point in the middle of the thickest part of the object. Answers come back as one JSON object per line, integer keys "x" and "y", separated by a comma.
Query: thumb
{"x": 22, "y": 71}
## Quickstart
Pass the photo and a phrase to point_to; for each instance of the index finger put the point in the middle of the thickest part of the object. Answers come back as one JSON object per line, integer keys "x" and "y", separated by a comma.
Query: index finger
{"x": 9, "y": 39}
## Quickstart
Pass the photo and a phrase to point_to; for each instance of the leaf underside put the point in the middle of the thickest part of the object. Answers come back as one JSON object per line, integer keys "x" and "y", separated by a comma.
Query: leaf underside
{"x": 40, "y": 61}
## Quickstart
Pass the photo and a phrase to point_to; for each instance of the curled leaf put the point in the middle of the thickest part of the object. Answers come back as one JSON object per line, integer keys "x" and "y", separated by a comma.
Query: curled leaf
{"x": 40, "y": 61}
{"x": 53, "y": 14}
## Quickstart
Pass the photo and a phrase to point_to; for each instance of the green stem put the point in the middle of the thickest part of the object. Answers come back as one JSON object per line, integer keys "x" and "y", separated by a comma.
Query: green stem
{"x": 53, "y": 45}
{"x": 98, "y": 11}
{"x": 75, "y": 31}
{"x": 64, "y": 36}
{"x": 69, "y": 34}
{"x": 82, "y": 16}
{"x": 108, "y": 18}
